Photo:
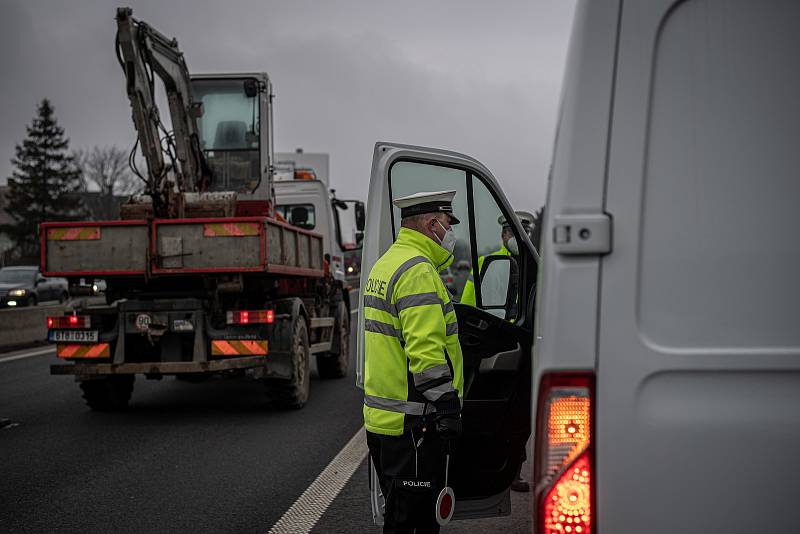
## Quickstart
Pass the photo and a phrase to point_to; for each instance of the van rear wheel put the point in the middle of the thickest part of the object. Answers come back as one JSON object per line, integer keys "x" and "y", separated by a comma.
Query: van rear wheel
{"x": 109, "y": 394}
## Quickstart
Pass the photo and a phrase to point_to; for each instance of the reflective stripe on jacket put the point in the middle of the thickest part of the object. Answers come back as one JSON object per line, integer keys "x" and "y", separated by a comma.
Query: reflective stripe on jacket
{"x": 411, "y": 350}
{"x": 468, "y": 295}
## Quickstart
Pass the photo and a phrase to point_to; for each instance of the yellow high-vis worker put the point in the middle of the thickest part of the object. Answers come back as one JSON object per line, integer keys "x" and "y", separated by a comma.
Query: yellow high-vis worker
{"x": 508, "y": 247}
{"x": 413, "y": 368}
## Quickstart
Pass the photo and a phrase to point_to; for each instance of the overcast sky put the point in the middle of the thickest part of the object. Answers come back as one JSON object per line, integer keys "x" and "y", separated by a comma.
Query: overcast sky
{"x": 477, "y": 77}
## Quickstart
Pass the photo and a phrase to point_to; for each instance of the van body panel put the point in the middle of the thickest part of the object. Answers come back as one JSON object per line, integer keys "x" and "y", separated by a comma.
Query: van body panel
{"x": 698, "y": 372}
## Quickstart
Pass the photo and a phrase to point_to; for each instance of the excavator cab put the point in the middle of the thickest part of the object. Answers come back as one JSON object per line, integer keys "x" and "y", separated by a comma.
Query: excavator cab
{"x": 221, "y": 135}
{"x": 233, "y": 130}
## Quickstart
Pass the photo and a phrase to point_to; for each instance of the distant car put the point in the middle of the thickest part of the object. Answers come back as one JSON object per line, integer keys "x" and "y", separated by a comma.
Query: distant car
{"x": 25, "y": 286}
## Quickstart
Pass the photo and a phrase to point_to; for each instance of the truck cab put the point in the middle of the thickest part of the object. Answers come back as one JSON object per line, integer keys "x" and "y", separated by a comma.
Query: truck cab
{"x": 654, "y": 353}
{"x": 303, "y": 198}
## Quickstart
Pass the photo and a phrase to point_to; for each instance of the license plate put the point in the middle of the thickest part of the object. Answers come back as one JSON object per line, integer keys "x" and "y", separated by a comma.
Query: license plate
{"x": 79, "y": 336}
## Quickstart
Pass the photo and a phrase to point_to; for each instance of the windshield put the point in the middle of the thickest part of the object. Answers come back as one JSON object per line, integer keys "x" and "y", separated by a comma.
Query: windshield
{"x": 16, "y": 276}
{"x": 230, "y": 132}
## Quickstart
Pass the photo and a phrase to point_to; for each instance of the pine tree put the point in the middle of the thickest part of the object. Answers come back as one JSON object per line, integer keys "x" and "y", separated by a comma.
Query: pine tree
{"x": 43, "y": 184}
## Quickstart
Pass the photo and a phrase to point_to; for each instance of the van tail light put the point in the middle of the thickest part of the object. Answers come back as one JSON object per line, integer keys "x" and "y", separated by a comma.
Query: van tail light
{"x": 69, "y": 321}
{"x": 564, "y": 470}
{"x": 251, "y": 317}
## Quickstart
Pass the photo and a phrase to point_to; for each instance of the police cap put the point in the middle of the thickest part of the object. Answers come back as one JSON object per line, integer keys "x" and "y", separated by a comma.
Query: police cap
{"x": 524, "y": 217}
{"x": 427, "y": 202}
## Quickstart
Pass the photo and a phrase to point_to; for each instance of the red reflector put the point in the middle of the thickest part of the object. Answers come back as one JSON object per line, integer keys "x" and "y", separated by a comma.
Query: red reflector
{"x": 239, "y": 347}
{"x": 563, "y": 465}
{"x": 96, "y": 350}
{"x": 69, "y": 321}
{"x": 251, "y": 317}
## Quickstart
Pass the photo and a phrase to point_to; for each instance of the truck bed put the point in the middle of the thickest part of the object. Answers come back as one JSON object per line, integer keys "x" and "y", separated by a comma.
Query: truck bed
{"x": 176, "y": 246}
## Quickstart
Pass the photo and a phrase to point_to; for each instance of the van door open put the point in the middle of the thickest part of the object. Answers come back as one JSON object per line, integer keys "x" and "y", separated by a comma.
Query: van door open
{"x": 495, "y": 332}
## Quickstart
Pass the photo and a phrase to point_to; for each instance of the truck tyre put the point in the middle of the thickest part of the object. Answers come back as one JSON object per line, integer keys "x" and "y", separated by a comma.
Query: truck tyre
{"x": 334, "y": 365}
{"x": 293, "y": 393}
{"x": 108, "y": 394}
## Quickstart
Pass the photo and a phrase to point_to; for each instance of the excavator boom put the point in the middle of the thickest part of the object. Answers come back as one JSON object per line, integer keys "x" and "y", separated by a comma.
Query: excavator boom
{"x": 144, "y": 53}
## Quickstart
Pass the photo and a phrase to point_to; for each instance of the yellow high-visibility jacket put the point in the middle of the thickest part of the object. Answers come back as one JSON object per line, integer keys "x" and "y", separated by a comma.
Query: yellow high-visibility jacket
{"x": 411, "y": 350}
{"x": 468, "y": 295}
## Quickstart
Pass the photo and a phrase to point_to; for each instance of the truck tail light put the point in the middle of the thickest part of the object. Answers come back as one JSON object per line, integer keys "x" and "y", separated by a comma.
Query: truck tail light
{"x": 251, "y": 317}
{"x": 563, "y": 472}
{"x": 69, "y": 321}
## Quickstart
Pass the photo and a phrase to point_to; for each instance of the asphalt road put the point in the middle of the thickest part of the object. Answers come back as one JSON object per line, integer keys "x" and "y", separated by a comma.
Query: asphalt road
{"x": 208, "y": 457}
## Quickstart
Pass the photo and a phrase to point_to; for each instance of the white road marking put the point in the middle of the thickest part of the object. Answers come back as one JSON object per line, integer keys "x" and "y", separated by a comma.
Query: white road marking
{"x": 309, "y": 507}
{"x": 31, "y": 354}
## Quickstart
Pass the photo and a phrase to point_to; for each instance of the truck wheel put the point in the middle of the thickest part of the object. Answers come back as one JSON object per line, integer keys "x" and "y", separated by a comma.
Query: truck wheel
{"x": 108, "y": 394}
{"x": 334, "y": 365}
{"x": 293, "y": 393}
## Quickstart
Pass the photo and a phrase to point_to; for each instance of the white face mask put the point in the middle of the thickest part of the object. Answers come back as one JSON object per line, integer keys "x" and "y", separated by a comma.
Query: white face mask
{"x": 512, "y": 246}
{"x": 448, "y": 242}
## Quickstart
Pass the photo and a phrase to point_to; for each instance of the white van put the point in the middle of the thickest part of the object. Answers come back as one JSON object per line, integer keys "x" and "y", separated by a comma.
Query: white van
{"x": 664, "y": 367}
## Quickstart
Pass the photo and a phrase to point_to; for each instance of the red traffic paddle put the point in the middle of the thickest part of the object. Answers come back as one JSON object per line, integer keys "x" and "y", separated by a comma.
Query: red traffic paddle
{"x": 446, "y": 501}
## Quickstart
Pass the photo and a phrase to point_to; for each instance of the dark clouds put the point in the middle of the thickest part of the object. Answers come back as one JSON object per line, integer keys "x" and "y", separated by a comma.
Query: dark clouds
{"x": 468, "y": 76}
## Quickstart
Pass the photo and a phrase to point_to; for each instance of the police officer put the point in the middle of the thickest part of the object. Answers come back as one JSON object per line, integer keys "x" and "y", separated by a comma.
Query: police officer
{"x": 413, "y": 370}
{"x": 508, "y": 247}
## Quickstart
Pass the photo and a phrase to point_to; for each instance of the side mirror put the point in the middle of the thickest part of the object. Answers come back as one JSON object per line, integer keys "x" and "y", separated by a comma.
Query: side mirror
{"x": 499, "y": 281}
{"x": 250, "y": 88}
{"x": 349, "y": 223}
{"x": 361, "y": 217}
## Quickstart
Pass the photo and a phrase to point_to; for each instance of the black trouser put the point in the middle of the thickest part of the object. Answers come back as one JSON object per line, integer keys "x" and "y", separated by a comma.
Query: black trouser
{"x": 411, "y": 472}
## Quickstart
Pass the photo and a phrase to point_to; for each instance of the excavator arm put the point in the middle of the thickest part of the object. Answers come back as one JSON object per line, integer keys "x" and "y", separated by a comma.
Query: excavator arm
{"x": 144, "y": 52}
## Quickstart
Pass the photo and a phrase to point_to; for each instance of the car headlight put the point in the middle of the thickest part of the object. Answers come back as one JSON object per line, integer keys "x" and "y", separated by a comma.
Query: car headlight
{"x": 17, "y": 292}
{"x": 94, "y": 288}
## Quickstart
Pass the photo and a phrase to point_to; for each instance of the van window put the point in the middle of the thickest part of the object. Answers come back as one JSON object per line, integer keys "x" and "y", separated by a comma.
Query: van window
{"x": 499, "y": 292}
{"x": 719, "y": 261}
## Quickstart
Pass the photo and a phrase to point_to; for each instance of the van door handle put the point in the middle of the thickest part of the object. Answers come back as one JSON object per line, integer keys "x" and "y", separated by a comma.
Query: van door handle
{"x": 582, "y": 234}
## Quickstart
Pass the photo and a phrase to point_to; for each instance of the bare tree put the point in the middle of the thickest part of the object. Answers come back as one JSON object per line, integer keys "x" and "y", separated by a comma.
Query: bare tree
{"x": 106, "y": 168}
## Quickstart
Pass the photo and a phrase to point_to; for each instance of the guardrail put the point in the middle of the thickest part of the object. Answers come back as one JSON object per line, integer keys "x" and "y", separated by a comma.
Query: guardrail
{"x": 26, "y": 326}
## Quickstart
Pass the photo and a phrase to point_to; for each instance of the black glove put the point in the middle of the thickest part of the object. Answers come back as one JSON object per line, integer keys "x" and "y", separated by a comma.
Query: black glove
{"x": 447, "y": 419}
{"x": 448, "y": 426}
